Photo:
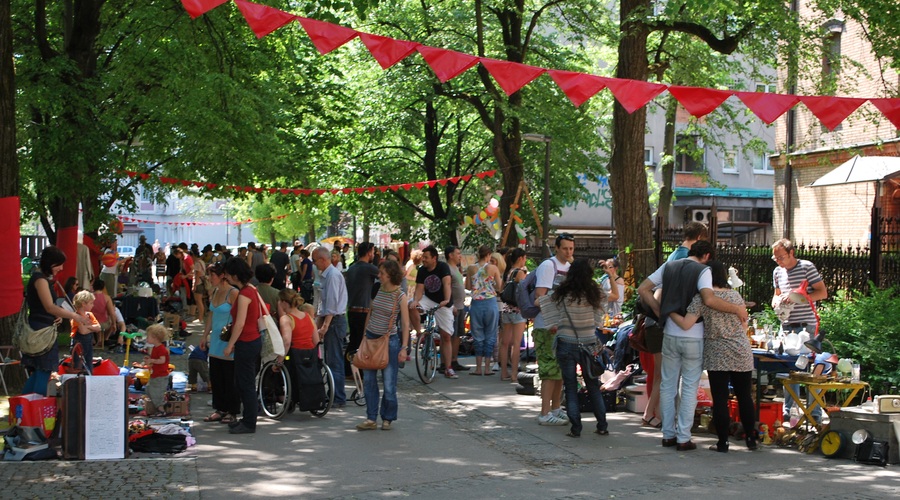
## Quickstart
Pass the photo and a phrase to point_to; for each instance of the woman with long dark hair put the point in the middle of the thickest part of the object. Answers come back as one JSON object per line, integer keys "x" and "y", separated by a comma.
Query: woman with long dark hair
{"x": 512, "y": 324}
{"x": 222, "y": 298}
{"x": 245, "y": 342}
{"x": 727, "y": 357}
{"x": 43, "y": 312}
{"x": 574, "y": 311}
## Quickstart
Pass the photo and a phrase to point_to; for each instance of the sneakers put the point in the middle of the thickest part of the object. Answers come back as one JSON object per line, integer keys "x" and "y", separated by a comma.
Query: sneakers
{"x": 385, "y": 425}
{"x": 551, "y": 419}
{"x": 368, "y": 425}
{"x": 560, "y": 414}
{"x": 450, "y": 373}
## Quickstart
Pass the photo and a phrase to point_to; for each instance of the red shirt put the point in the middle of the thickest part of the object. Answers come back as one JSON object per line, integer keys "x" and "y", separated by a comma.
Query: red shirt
{"x": 160, "y": 369}
{"x": 302, "y": 336}
{"x": 251, "y": 325}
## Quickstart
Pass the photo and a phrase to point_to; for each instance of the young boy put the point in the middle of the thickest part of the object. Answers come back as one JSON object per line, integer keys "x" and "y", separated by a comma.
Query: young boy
{"x": 198, "y": 364}
{"x": 84, "y": 334}
{"x": 158, "y": 363}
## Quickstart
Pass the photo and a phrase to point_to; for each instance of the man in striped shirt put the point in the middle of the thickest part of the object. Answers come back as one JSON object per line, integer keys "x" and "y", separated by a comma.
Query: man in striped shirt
{"x": 787, "y": 277}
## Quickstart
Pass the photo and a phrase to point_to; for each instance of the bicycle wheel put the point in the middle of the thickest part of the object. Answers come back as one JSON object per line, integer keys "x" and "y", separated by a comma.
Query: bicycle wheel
{"x": 358, "y": 397}
{"x": 328, "y": 379}
{"x": 274, "y": 390}
{"x": 426, "y": 358}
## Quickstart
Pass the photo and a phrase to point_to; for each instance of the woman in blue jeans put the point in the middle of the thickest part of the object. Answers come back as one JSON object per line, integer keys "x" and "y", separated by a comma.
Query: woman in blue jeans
{"x": 573, "y": 313}
{"x": 388, "y": 305}
{"x": 484, "y": 279}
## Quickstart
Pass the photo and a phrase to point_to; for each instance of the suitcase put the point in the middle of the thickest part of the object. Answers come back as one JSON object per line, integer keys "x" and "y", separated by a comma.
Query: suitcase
{"x": 74, "y": 396}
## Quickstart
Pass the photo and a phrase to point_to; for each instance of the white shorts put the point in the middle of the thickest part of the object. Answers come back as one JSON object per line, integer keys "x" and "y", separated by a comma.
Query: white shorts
{"x": 443, "y": 317}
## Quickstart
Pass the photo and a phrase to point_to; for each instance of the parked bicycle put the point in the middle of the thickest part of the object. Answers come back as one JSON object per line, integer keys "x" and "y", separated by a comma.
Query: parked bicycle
{"x": 427, "y": 354}
{"x": 274, "y": 386}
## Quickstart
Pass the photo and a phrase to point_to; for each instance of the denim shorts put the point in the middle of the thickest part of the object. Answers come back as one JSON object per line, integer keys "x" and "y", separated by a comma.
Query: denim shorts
{"x": 511, "y": 318}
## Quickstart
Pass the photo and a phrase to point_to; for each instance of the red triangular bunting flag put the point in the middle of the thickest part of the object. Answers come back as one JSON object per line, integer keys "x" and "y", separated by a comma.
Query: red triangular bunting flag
{"x": 831, "y": 111}
{"x": 273, "y": 190}
{"x": 387, "y": 51}
{"x": 131, "y": 174}
{"x": 578, "y": 87}
{"x": 359, "y": 190}
{"x": 890, "y": 108}
{"x": 326, "y": 36}
{"x": 431, "y": 184}
{"x": 420, "y": 185}
{"x": 383, "y": 189}
{"x": 466, "y": 178}
{"x": 145, "y": 176}
{"x": 395, "y": 187}
{"x": 698, "y": 101}
{"x": 198, "y": 183}
{"x": 262, "y": 18}
{"x": 446, "y": 64}
{"x": 346, "y": 190}
{"x": 633, "y": 94}
{"x": 443, "y": 182}
{"x": 196, "y": 8}
{"x": 768, "y": 107}
{"x": 511, "y": 76}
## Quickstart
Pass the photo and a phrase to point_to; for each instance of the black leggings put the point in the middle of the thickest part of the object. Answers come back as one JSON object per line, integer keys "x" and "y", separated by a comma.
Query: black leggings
{"x": 740, "y": 381}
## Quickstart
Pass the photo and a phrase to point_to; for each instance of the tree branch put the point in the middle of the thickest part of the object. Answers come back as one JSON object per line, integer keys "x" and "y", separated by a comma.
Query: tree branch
{"x": 725, "y": 45}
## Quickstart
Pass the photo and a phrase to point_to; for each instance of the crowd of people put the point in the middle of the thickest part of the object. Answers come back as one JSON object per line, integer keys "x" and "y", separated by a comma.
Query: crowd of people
{"x": 317, "y": 297}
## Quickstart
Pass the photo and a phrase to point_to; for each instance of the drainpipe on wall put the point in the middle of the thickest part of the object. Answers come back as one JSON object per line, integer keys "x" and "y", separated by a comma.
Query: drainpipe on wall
{"x": 790, "y": 139}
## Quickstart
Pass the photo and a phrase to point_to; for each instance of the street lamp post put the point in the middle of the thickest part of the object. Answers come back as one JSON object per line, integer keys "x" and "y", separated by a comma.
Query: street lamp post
{"x": 546, "y": 139}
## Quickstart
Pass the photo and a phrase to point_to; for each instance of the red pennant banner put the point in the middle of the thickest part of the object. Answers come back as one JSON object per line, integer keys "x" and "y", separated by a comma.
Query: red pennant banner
{"x": 196, "y": 8}
{"x": 326, "y": 36}
{"x": 578, "y": 87}
{"x": 262, "y": 18}
{"x": 511, "y": 76}
{"x": 698, "y": 101}
{"x": 446, "y": 64}
{"x": 831, "y": 111}
{"x": 633, "y": 94}
{"x": 890, "y": 108}
{"x": 387, "y": 51}
{"x": 768, "y": 107}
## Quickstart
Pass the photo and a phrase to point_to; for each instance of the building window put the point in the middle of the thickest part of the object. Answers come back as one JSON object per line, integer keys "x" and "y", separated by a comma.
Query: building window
{"x": 831, "y": 56}
{"x": 648, "y": 157}
{"x": 730, "y": 165}
{"x": 761, "y": 165}
{"x": 689, "y": 154}
{"x": 766, "y": 87}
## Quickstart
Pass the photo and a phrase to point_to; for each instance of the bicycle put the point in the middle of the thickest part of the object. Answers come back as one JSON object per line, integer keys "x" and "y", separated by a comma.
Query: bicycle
{"x": 358, "y": 396}
{"x": 426, "y": 352}
{"x": 274, "y": 387}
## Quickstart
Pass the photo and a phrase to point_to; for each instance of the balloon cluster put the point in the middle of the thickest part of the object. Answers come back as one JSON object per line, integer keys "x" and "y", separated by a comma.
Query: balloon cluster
{"x": 489, "y": 216}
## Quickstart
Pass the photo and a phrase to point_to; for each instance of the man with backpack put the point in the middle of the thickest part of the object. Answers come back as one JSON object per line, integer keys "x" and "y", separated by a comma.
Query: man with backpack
{"x": 545, "y": 279}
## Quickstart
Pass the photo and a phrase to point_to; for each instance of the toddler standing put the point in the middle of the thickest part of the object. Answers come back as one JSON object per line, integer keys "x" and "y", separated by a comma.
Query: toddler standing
{"x": 158, "y": 363}
{"x": 83, "y": 334}
{"x": 198, "y": 364}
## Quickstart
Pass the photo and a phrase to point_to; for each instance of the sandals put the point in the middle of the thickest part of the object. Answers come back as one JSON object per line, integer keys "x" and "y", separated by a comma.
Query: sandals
{"x": 228, "y": 418}
{"x": 215, "y": 417}
{"x": 650, "y": 423}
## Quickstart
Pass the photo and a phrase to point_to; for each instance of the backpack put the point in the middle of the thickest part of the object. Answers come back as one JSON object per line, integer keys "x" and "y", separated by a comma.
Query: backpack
{"x": 510, "y": 289}
{"x": 525, "y": 294}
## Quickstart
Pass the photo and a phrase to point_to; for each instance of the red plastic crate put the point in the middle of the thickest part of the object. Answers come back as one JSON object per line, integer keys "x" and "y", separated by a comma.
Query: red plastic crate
{"x": 769, "y": 412}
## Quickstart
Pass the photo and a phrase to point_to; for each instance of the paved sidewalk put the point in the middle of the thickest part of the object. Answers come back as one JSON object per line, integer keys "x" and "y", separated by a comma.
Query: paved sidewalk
{"x": 467, "y": 438}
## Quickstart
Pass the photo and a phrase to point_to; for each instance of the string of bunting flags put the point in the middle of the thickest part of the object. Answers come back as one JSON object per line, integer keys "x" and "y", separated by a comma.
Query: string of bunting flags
{"x": 319, "y": 191}
{"x": 229, "y": 223}
{"x": 578, "y": 87}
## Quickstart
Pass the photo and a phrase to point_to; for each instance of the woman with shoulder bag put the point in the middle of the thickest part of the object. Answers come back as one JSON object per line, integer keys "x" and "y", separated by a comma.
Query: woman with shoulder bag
{"x": 573, "y": 312}
{"x": 222, "y": 297}
{"x": 245, "y": 342}
{"x": 43, "y": 312}
{"x": 512, "y": 324}
{"x": 387, "y": 306}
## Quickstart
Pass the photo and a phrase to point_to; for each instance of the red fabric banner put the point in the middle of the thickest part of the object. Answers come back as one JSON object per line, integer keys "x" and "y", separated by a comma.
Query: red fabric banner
{"x": 578, "y": 87}
{"x": 262, "y": 18}
{"x": 511, "y": 76}
{"x": 196, "y": 8}
{"x": 11, "y": 289}
{"x": 446, "y": 64}
{"x": 67, "y": 241}
{"x": 768, "y": 107}
{"x": 326, "y": 36}
{"x": 831, "y": 111}
{"x": 890, "y": 108}
{"x": 633, "y": 94}
{"x": 698, "y": 101}
{"x": 387, "y": 51}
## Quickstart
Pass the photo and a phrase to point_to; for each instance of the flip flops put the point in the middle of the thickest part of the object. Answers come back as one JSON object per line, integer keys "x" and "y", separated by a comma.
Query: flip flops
{"x": 653, "y": 422}
{"x": 214, "y": 417}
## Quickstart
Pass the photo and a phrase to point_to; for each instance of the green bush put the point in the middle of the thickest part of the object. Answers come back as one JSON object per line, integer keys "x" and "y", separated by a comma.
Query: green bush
{"x": 867, "y": 329}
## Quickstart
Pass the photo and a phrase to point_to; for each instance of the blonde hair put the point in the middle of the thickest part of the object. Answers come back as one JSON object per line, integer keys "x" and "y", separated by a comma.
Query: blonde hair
{"x": 501, "y": 262}
{"x": 81, "y": 298}
{"x": 291, "y": 297}
{"x": 158, "y": 332}
{"x": 308, "y": 309}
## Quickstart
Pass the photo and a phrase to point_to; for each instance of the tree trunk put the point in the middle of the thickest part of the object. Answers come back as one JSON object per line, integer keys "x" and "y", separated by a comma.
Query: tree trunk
{"x": 627, "y": 180}
{"x": 667, "y": 167}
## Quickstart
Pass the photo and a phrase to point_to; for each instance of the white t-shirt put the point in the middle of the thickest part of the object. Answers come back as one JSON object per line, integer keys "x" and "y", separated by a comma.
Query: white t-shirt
{"x": 546, "y": 278}
{"x": 704, "y": 281}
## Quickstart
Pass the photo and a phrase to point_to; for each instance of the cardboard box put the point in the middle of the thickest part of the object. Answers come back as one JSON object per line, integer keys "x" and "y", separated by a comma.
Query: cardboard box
{"x": 636, "y": 398}
{"x": 179, "y": 408}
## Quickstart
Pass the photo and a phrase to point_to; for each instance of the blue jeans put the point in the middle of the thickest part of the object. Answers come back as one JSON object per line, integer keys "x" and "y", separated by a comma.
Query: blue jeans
{"x": 334, "y": 355}
{"x": 389, "y": 375}
{"x": 568, "y": 355}
{"x": 484, "y": 320}
{"x": 87, "y": 351}
{"x": 37, "y": 382}
{"x": 682, "y": 359}
{"x": 246, "y": 357}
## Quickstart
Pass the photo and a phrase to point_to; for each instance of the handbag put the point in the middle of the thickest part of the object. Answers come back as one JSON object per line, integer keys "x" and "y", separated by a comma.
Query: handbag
{"x": 33, "y": 342}
{"x": 591, "y": 351}
{"x": 647, "y": 335}
{"x": 225, "y": 333}
{"x": 373, "y": 353}
{"x": 272, "y": 344}
{"x": 508, "y": 295}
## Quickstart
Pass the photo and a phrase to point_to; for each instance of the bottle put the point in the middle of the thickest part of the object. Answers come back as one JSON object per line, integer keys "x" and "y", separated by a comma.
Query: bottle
{"x": 795, "y": 416}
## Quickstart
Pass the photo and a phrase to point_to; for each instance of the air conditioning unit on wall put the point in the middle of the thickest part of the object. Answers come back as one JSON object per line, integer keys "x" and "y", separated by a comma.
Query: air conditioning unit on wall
{"x": 700, "y": 215}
